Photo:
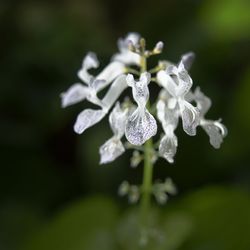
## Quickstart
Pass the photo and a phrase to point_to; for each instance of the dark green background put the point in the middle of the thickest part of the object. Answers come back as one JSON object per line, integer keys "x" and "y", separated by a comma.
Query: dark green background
{"x": 49, "y": 176}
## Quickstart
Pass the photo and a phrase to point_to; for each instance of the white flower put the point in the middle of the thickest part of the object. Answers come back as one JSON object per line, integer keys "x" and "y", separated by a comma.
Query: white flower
{"x": 90, "y": 117}
{"x": 169, "y": 120}
{"x": 215, "y": 129}
{"x": 79, "y": 92}
{"x": 140, "y": 125}
{"x": 178, "y": 83}
{"x": 113, "y": 148}
{"x": 125, "y": 55}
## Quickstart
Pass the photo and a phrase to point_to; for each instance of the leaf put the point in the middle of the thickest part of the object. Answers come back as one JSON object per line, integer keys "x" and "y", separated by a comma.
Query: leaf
{"x": 87, "y": 224}
{"x": 226, "y": 19}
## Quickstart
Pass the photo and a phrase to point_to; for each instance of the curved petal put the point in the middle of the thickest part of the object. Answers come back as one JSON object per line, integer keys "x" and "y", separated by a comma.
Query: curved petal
{"x": 216, "y": 132}
{"x": 187, "y": 60}
{"x": 74, "y": 94}
{"x": 89, "y": 61}
{"x": 110, "y": 150}
{"x": 140, "y": 127}
{"x": 190, "y": 117}
{"x": 167, "y": 82}
{"x": 114, "y": 91}
{"x": 110, "y": 73}
{"x": 88, "y": 118}
{"x": 126, "y": 56}
{"x": 168, "y": 117}
{"x": 168, "y": 147}
{"x": 140, "y": 88}
{"x": 203, "y": 102}
{"x": 117, "y": 120}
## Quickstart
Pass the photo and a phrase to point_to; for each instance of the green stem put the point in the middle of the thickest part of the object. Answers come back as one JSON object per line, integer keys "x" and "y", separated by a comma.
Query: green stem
{"x": 147, "y": 171}
{"x": 147, "y": 180}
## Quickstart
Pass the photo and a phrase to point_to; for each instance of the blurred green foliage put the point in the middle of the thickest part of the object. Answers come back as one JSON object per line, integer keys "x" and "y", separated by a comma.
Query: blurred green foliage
{"x": 47, "y": 171}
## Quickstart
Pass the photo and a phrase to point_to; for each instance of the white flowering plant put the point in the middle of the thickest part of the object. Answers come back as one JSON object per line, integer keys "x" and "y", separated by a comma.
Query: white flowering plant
{"x": 135, "y": 122}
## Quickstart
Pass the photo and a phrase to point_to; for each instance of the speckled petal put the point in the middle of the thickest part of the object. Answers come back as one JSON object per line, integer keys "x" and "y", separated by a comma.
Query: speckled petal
{"x": 88, "y": 118}
{"x": 140, "y": 127}
{"x": 111, "y": 150}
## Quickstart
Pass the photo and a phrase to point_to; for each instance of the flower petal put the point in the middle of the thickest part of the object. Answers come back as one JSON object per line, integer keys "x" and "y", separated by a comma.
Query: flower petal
{"x": 167, "y": 117}
{"x": 117, "y": 120}
{"x": 114, "y": 91}
{"x": 126, "y": 56}
{"x": 187, "y": 60}
{"x": 167, "y": 82}
{"x": 88, "y": 118}
{"x": 203, "y": 102}
{"x": 168, "y": 147}
{"x": 140, "y": 127}
{"x": 89, "y": 61}
{"x": 110, "y": 150}
{"x": 110, "y": 73}
{"x": 140, "y": 88}
{"x": 74, "y": 94}
{"x": 190, "y": 117}
{"x": 216, "y": 132}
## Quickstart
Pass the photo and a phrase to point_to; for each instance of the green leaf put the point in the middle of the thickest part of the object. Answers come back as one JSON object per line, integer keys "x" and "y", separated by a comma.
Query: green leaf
{"x": 87, "y": 224}
{"x": 221, "y": 219}
{"x": 226, "y": 19}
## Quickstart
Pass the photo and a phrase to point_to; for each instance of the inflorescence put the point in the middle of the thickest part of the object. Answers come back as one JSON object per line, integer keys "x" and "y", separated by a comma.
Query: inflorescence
{"x": 134, "y": 122}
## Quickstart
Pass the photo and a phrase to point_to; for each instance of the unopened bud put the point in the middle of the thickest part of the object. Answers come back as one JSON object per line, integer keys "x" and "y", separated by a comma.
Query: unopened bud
{"x": 158, "y": 48}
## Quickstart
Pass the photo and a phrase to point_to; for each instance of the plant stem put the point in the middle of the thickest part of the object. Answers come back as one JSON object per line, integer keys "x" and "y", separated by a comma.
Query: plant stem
{"x": 148, "y": 168}
{"x": 147, "y": 181}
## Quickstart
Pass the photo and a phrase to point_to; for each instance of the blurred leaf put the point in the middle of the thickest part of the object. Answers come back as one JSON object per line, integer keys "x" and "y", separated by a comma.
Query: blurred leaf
{"x": 240, "y": 121}
{"x": 221, "y": 219}
{"x": 226, "y": 19}
{"x": 84, "y": 225}
{"x": 166, "y": 232}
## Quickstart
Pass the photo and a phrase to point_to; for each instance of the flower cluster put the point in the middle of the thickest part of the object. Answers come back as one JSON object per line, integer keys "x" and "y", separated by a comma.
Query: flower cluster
{"x": 134, "y": 120}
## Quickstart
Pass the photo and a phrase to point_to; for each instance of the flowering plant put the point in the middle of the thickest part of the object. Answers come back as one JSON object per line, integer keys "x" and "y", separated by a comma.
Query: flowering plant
{"x": 136, "y": 120}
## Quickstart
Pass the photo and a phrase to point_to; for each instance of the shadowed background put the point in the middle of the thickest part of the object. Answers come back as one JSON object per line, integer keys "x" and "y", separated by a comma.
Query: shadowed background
{"x": 51, "y": 187}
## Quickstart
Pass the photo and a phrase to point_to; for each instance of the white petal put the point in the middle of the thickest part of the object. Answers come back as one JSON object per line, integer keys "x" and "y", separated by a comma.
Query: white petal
{"x": 145, "y": 78}
{"x": 216, "y": 132}
{"x": 168, "y": 147}
{"x": 110, "y": 150}
{"x": 182, "y": 81}
{"x": 168, "y": 117}
{"x": 74, "y": 94}
{"x": 89, "y": 61}
{"x": 140, "y": 127}
{"x": 188, "y": 59}
{"x": 127, "y": 57}
{"x": 114, "y": 91}
{"x": 117, "y": 120}
{"x": 190, "y": 117}
{"x": 203, "y": 102}
{"x": 130, "y": 80}
{"x": 167, "y": 83}
{"x": 140, "y": 89}
{"x": 88, "y": 118}
{"x": 110, "y": 73}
